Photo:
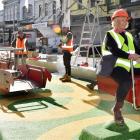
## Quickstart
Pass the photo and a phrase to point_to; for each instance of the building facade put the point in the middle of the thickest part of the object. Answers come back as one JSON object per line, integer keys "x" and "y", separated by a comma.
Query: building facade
{"x": 47, "y": 11}
{"x": 11, "y": 14}
{"x": 133, "y": 8}
{"x": 25, "y": 13}
{"x": 19, "y": 13}
{"x": 79, "y": 11}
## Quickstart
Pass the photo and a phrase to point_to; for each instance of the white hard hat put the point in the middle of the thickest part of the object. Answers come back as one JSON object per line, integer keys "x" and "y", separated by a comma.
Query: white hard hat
{"x": 65, "y": 25}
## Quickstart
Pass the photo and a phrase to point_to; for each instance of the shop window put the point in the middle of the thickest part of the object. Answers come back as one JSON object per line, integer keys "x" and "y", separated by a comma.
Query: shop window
{"x": 30, "y": 10}
{"x": 24, "y": 12}
{"x": 40, "y": 10}
{"x": 46, "y": 9}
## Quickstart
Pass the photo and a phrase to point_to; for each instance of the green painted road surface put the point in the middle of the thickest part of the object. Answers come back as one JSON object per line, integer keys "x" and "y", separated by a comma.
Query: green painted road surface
{"x": 61, "y": 111}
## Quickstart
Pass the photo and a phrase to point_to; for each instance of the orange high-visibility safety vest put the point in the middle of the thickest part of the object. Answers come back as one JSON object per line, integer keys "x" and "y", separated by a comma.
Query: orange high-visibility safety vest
{"x": 21, "y": 44}
{"x": 68, "y": 45}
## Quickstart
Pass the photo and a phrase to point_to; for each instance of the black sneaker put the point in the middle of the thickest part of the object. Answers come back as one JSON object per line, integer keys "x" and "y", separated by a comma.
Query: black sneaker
{"x": 92, "y": 85}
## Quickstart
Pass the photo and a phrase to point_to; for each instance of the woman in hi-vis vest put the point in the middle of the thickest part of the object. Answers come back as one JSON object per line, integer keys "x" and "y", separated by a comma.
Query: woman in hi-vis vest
{"x": 21, "y": 44}
{"x": 120, "y": 44}
{"x": 67, "y": 48}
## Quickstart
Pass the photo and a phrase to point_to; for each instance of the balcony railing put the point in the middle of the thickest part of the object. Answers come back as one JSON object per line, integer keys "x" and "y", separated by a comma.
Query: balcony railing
{"x": 122, "y": 3}
{"x": 126, "y": 3}
{"x": 112, "y": 4}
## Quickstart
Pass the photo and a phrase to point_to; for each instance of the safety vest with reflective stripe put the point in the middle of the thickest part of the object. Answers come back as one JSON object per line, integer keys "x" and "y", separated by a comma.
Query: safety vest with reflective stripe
{"x": 136, "y": 64}
{"x": 67, "y": 44}
{"x": 20, "y": 44}
{"x": 125, "y": 63}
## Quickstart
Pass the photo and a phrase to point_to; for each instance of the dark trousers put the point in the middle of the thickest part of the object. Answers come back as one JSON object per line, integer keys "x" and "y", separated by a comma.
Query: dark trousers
{"x": 124, "y": 80}
{"x": 67, "y": 62}
{"x": 18, "y": 58}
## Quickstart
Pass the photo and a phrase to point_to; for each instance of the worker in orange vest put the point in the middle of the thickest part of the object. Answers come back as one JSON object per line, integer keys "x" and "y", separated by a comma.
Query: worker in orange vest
{"x": 67, "y": 48}
{"x": 21, "y": 44}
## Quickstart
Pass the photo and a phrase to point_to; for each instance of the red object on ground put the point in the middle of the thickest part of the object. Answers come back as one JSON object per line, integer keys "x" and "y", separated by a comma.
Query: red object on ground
{"x": 5, "y": 64}
{"x": 137, "y": 92}
{"x": 108, "y": 85}
{"x": 39, "y": 75}
{"x": 85, "y": 64}
{"x": 34, "y": 58}
{"x": 25, "y": 78}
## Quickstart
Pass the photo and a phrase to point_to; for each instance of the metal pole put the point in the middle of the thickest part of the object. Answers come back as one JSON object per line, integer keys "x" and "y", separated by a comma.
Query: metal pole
{"x": 66, "y": 12}
{"x": 4, "y": 26}
{"x": 95, "y": 31}
{"x": 97, "y": 12}
{"x": 133, "y": 86}
{"x": 13, "y": 17}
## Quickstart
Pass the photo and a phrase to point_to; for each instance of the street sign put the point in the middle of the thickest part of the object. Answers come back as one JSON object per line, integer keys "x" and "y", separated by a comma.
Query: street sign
{"x": 40, "y": 25}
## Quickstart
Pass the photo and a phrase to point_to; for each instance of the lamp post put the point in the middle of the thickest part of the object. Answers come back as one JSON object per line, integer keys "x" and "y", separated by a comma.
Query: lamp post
{"x": 3, "y": 21}
{"x": 13, "y": 17}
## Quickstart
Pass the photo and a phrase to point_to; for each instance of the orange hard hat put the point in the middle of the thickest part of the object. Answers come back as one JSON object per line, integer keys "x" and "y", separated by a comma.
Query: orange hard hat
{"x": 120, "y": 13}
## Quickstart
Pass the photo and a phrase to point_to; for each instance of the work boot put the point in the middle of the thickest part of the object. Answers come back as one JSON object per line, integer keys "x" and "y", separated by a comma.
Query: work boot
{"x": 118, "y": 118}
{"x": 66, "y": 79}
{"x": 63, "y": 77}
{"x": 92, "y": 85}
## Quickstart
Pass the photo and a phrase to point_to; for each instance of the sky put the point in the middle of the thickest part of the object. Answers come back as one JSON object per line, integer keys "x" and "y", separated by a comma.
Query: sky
{"x": 1, "y": 5}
